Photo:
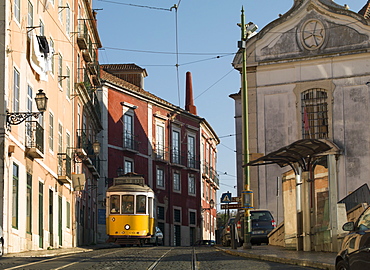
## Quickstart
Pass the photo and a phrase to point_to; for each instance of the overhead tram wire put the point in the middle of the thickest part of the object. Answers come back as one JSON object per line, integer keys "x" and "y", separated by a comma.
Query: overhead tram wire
{"x": 134, "y": 5}
{"x": 218, "y": 54}
{"x": 214, "y": 83}
{"x": 177, "y": 51}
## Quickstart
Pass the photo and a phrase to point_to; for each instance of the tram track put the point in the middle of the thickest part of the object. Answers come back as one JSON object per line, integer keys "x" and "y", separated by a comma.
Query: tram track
{"x": 165, "y": 259}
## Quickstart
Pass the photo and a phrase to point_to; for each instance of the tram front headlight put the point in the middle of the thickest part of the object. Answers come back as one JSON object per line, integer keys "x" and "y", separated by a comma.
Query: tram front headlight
{"x": 127, "y": 227}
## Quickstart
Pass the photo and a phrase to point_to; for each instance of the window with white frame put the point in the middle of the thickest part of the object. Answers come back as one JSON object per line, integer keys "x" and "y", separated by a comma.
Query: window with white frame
{"x": 128, "y": 130}
{"x": 176, "y": 181}
{"x": 68, "y": 141}
{"x": 68, "y": 82}
{"x": 160, "y": 141}
{"x": 160, "y": 177}
{"x": 29, "y": 109}
{"x": 176, "y": 146}
{"x": 68, "y": 20}
{"x": 128, "y": 166}
{"x": 16, "y": 90}
{"x": 60, "y": 70}
{"x": 51, "y": 131}
{"x": 17, "y": 10}
{"x": 30, "y": 14}
{"x": 191, "y": 151}
{"x": 51, "y": 45}
{"x": 60, "y": 11}
{"x": 60, "y": 138}
{"x": 191, "y": 184}
{"x": 41, "y": 28}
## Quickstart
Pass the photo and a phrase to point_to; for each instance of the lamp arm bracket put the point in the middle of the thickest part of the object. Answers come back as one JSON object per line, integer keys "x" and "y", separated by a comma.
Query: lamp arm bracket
{"x": 16, "y": 118}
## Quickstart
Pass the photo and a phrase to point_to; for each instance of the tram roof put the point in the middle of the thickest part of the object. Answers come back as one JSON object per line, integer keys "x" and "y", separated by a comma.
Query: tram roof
{"x": 129, "y": 188}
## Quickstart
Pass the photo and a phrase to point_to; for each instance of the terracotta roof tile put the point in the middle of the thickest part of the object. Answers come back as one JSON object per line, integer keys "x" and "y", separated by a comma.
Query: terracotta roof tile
{"x": 122, "y": 67}
{"x": 105, "y": 75}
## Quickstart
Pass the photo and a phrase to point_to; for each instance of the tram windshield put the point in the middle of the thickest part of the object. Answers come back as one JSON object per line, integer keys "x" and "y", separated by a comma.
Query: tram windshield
{"x": 141, "y": 204}
{"x": 127, "y": 204}
{"x": 114, "y": 204}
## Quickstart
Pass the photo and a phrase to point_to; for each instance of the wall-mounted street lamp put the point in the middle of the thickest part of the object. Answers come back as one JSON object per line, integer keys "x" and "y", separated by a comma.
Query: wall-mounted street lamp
{"x": 96, "y": 148}
{"x": 15, "y": 118}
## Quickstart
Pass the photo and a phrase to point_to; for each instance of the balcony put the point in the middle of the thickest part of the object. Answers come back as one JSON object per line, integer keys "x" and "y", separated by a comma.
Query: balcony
{"x": 87, "y": 53}
{"x": 85, "y": 152}
{"x": 206, "y": 169}
{"x": 34, "y": 140}
{"x": 130, "y": 143}
{"x": 83, "y": 33}
{"x": 178, "y": 158}
{"x": 64, "y": 168}
{"x": 214, "y": 177}
{"x": 193, "y": 163}
{"x": 93, "y": 66}
{"x": 161, "y": 153}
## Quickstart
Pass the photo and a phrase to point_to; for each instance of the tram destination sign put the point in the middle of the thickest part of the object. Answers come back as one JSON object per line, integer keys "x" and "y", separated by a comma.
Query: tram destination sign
{"x": 231, "y": 206}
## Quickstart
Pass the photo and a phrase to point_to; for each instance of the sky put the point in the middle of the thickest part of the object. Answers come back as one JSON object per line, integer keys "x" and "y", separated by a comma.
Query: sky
{"x": 170, "y": 37}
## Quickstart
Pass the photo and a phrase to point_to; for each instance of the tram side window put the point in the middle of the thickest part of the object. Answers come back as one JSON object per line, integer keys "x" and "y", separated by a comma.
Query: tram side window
{"x": 140, "y": 204}
{"x": 114, "y": 204}
{"x": 128, "y": 204}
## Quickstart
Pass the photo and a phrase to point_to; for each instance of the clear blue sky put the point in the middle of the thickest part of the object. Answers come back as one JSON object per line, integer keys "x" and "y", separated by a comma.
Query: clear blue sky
{"x": 205, "y": 35}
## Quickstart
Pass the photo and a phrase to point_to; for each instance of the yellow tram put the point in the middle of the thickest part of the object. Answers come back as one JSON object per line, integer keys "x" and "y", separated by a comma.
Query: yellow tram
{"x": 130, "y": 211}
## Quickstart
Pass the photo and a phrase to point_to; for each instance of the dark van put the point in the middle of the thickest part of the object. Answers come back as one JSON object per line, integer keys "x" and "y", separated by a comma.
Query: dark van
{"x": 262, "y": 224}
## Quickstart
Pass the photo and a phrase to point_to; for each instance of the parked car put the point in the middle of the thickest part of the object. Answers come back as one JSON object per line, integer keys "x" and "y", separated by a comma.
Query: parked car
{"x": 355, "y": 249}
{"x": 225, "y": 235}
{"x": 157, "y": 238}
{"x": 209, "y": 243}
{"x": 262, "y": 224}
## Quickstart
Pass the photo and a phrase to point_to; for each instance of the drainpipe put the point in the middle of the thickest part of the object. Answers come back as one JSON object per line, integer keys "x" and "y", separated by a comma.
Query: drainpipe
{"x": 306, "y": 216}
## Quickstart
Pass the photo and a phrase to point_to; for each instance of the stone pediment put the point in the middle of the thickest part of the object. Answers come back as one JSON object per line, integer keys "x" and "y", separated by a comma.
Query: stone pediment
{"x": 312, "y": 28}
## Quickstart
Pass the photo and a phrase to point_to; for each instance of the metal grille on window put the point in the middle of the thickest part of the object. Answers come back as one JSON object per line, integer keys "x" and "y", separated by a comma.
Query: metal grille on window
{"x": 314, "y": 114}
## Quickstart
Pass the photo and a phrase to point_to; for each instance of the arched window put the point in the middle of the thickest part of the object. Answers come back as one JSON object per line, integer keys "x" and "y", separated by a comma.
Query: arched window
{"x": 314, "y": 114}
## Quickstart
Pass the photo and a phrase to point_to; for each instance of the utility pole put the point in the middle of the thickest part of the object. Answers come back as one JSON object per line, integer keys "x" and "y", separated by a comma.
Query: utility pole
{"x": 247, "y": 194}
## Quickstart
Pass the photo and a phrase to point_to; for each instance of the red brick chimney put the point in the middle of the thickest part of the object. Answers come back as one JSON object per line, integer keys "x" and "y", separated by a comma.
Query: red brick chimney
{"x": 189, "y": 101}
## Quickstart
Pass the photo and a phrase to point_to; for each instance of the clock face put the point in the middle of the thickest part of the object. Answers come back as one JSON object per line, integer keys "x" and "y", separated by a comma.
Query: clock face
{"x": 313, "y": 34}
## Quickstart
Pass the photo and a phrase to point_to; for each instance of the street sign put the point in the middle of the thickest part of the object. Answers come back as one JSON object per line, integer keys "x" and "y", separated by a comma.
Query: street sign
{"x": 226, "y": 197}
{"x": 236, "y": 199}
{"x": 231, "y": 206}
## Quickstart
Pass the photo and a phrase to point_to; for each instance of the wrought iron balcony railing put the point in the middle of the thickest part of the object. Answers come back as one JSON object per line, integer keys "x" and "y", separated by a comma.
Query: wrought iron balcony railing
{"x": 64, "y": 168}
{"x": 161, "y": 153}
{"x": 178, "y": 158}
{"x": 85, "y": 150}
{"x": 130, "y": 143}
{"x": 34, "y": 139}
{"x": 82, "y": 34}
{"x": 193, "y": 163}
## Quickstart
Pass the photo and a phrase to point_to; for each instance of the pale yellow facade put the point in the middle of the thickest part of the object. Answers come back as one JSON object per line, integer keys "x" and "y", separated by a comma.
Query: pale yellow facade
{"x": 39, "y": 51}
